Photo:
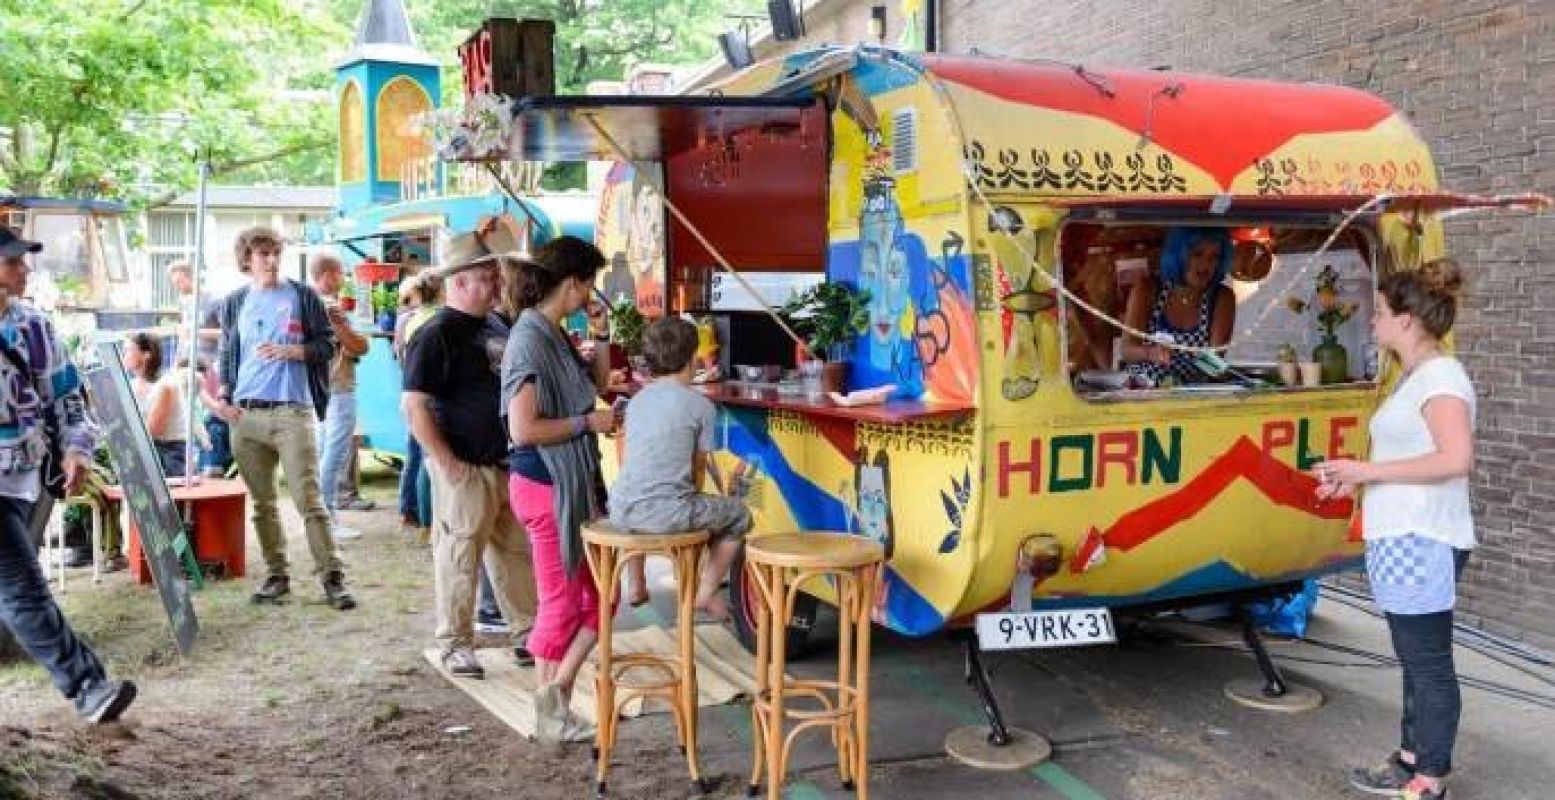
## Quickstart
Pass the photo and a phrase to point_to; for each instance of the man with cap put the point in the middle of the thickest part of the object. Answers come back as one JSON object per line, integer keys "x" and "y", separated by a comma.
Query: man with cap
{"x": 36, "y": 373}
{"x": 451, "y": 400}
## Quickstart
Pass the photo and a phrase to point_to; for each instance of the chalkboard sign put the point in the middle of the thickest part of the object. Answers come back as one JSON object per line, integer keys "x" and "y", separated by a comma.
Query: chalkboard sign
{"x": 145, "y": 491}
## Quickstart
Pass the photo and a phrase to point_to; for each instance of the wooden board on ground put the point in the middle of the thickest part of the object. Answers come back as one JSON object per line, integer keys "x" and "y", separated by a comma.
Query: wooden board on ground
{"x": 725, "y": 672}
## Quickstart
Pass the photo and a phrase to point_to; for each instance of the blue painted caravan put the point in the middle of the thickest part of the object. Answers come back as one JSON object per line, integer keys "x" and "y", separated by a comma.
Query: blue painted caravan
{"x": 395, "y": 206}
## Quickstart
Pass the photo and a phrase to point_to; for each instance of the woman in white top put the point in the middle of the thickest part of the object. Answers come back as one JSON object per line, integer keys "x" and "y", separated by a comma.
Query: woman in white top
{"x": 161, "y": 400}
{"x": 1416, "y": 518}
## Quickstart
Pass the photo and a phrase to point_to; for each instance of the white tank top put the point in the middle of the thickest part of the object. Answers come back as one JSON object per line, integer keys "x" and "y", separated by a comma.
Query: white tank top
{"x": 1399, "y": 431}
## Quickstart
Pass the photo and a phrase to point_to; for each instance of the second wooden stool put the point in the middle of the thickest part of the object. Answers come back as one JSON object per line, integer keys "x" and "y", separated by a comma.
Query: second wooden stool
{"x": 608, "y": 549}
{"x": 779, "y": 565}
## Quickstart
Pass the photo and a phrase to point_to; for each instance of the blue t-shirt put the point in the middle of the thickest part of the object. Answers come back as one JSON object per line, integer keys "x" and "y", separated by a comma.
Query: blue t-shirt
{"x": 274, "y": 316}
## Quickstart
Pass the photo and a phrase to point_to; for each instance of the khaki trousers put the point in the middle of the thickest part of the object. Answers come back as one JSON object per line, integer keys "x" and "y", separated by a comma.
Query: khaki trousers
{"x": 472, "y": 522}
{"x": 262, "y": 440}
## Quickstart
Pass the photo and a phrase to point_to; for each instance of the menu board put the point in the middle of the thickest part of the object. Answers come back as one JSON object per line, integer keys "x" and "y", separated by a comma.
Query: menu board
{"x": 161, "y": 528}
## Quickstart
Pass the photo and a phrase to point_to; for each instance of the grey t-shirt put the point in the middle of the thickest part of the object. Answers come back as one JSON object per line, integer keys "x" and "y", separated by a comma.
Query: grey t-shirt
{"x": 666, "y": 424}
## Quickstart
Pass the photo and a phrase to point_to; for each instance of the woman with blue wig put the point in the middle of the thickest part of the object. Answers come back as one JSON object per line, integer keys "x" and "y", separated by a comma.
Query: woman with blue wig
{"x": 1189, "y": 302}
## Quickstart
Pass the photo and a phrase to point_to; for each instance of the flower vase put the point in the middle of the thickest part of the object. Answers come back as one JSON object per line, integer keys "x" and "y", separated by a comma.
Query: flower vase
{"x": 1333, "y": 360}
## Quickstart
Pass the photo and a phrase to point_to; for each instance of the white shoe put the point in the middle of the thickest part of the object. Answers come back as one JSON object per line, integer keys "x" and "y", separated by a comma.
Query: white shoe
{"x": 344, "y": 534}
{"x": 550, "y": 714}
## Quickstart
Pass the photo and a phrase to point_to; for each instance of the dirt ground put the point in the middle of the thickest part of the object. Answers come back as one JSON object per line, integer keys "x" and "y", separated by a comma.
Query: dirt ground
{"x": 293, "y": 701}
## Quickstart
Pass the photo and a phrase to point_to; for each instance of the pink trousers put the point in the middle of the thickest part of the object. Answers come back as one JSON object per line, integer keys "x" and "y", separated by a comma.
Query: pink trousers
{"x": 567, "y": 603}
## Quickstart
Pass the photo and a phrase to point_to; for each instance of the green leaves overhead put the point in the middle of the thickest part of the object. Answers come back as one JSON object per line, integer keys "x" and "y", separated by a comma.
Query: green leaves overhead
{"x": 113, "y": 98}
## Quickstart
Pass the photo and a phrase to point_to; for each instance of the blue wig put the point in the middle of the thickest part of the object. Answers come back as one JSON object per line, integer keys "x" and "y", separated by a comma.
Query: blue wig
{"x": 1181, "y": 241}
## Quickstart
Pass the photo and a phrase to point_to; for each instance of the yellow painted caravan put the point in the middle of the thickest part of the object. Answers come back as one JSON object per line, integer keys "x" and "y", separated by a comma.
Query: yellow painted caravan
{"x": 1006, "y": 218}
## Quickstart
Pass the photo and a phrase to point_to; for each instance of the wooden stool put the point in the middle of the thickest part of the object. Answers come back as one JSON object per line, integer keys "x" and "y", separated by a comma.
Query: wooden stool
{"x": 608, "y": 549}
{"x": 779, "y": 565}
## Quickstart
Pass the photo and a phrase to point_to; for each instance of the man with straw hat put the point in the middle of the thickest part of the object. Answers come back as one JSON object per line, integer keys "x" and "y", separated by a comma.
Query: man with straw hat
{"x": 452, "y": 387}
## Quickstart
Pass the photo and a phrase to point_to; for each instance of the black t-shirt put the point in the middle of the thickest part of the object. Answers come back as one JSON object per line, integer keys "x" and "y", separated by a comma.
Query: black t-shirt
{"x": 456, "y": 358}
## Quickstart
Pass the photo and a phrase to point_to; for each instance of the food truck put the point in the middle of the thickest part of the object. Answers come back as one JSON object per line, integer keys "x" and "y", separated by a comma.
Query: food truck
{"x": 996, "y": 212}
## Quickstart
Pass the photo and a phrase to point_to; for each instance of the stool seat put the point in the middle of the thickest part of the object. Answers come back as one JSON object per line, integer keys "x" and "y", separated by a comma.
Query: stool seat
{"x": 813, "y": 550}
{"x": 603, "y": 533}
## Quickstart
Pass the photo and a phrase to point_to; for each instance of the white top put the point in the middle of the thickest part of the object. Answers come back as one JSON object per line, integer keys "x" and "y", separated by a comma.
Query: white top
{"x": 1438, "y": 510}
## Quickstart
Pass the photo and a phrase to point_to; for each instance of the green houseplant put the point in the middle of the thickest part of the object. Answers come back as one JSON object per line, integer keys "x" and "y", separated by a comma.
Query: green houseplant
{"x": 828, "y": 316}
{"x": 626, "y": 327}
{"x": 1331, "y": 312}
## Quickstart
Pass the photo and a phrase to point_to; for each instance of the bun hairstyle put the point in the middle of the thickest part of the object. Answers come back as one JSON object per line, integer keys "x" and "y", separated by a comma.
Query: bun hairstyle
{"x": 529, "y": 281}
{"x": 1429, "y": 294}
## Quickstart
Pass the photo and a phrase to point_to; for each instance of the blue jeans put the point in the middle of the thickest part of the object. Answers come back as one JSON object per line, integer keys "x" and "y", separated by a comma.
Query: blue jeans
{"x": 337, "y": 435}
{"x": 172, "y": 457}
{"x": 219, "y": 456}
{"x": 27, "y": 608}
{"x": 415, "y": 485}
{"x": 1432, "y": 702}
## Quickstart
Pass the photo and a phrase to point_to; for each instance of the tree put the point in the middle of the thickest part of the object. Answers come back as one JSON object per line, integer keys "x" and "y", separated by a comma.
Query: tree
{"x": 114, "y": 97}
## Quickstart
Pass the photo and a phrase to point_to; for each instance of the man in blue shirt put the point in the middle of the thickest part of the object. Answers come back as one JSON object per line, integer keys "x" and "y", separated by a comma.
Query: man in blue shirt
{"x": 276, "y": 348}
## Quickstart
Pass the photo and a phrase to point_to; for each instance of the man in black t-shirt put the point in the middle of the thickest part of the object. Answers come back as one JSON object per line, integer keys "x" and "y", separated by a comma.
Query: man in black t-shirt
{"x": 451, "y": 400}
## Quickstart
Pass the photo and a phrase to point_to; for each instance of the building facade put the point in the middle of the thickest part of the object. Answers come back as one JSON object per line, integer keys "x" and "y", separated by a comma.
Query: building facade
{"x": 170, "y": 233}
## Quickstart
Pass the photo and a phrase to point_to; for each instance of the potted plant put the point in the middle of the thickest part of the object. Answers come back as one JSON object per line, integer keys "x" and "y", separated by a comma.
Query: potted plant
{"x": 1285, "y": 361}
{"x": 384, "y": 300}
{"x": 829, "y": 316}
{"x": 626, "y": 330}
{"x": 348, "y": 297}
{"x": 1333, "y": 362}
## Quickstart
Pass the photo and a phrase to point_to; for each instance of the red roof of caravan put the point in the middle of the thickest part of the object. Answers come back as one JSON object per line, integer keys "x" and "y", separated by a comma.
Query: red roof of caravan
{"x": 1220, "y": 124}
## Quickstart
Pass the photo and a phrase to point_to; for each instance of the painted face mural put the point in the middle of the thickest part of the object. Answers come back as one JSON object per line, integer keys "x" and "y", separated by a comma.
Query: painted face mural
{"x": 873, "y": 479}
{"x": 883, "y": 272}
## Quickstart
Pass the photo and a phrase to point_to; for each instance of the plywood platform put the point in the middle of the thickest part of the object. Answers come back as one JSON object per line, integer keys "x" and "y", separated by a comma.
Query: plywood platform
{"x": 725, "y": 671}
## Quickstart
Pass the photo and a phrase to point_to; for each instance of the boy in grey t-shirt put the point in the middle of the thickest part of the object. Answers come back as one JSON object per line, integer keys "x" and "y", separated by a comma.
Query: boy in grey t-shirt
{"x": 669, "y": 433}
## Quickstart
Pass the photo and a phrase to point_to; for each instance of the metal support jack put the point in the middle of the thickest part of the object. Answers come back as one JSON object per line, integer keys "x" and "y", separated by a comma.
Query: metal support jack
{"x": 1271, "y": 691}
{"x": 977, "y": 676}
{"x": 999, "y": 746}
{"x": 1274, "y": 683}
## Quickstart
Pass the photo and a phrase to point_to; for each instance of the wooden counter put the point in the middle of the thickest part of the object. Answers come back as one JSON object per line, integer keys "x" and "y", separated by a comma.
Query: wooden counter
{"x": 735, "y": 393}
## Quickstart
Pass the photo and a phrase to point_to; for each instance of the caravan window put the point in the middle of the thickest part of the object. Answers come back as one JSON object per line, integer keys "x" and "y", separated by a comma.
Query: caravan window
{"x": 1258, "y": 291}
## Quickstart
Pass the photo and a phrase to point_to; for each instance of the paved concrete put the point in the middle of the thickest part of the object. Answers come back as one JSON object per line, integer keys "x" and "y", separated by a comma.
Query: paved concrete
{"x": 1147, "y": 719}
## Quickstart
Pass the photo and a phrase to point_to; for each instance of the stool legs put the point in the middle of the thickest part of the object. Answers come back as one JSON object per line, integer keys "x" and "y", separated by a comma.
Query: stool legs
{"x": 778, "y": 588}
{"x": 608, "y": 564}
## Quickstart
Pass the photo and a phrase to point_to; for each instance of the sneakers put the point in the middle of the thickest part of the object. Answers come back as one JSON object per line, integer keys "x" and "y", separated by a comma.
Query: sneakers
{"x": 344, "y": 534}
{"x": 1420, "y": 789}
{"x": 355, "y": 504}
{"x": 490, "y": 623}
{"x": 522, "y": 655}
{"x": 335, "y": 591}
{"x": 101, "y": 700}
{"x": 274, "y": 588}
{"x": 1386, "y": 779}
{"x": 462, "y": 663}
{"x": 555, "y": 723}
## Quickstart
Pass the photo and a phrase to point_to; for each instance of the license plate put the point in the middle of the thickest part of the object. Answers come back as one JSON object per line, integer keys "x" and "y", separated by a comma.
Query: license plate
{"x": 1023, "y": 629}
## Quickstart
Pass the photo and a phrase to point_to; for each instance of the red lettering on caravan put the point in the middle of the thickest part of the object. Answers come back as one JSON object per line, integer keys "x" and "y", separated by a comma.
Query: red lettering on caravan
{"x": 1117, "y": 447}
{"x": 1278, "y": 433}
{"x": 1032, "y": 468}
{"x": 1336, "y": 429}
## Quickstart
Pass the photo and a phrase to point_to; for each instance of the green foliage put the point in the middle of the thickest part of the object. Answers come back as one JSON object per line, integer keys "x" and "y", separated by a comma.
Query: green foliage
{"x": 626, "y": 327}
{"x": 115, "y": 97}
{"x": 828, "y": 316}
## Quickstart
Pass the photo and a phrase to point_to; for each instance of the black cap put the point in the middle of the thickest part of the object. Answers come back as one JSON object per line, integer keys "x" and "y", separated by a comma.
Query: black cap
{"x": 12, "y": 244}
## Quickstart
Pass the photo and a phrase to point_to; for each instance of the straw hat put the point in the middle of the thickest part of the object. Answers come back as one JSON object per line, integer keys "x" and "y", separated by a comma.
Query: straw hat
{"x": 491, "y": 240}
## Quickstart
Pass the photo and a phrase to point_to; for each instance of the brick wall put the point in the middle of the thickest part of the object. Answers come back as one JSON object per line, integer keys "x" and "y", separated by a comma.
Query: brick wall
{"x": 1475, "y": 78}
